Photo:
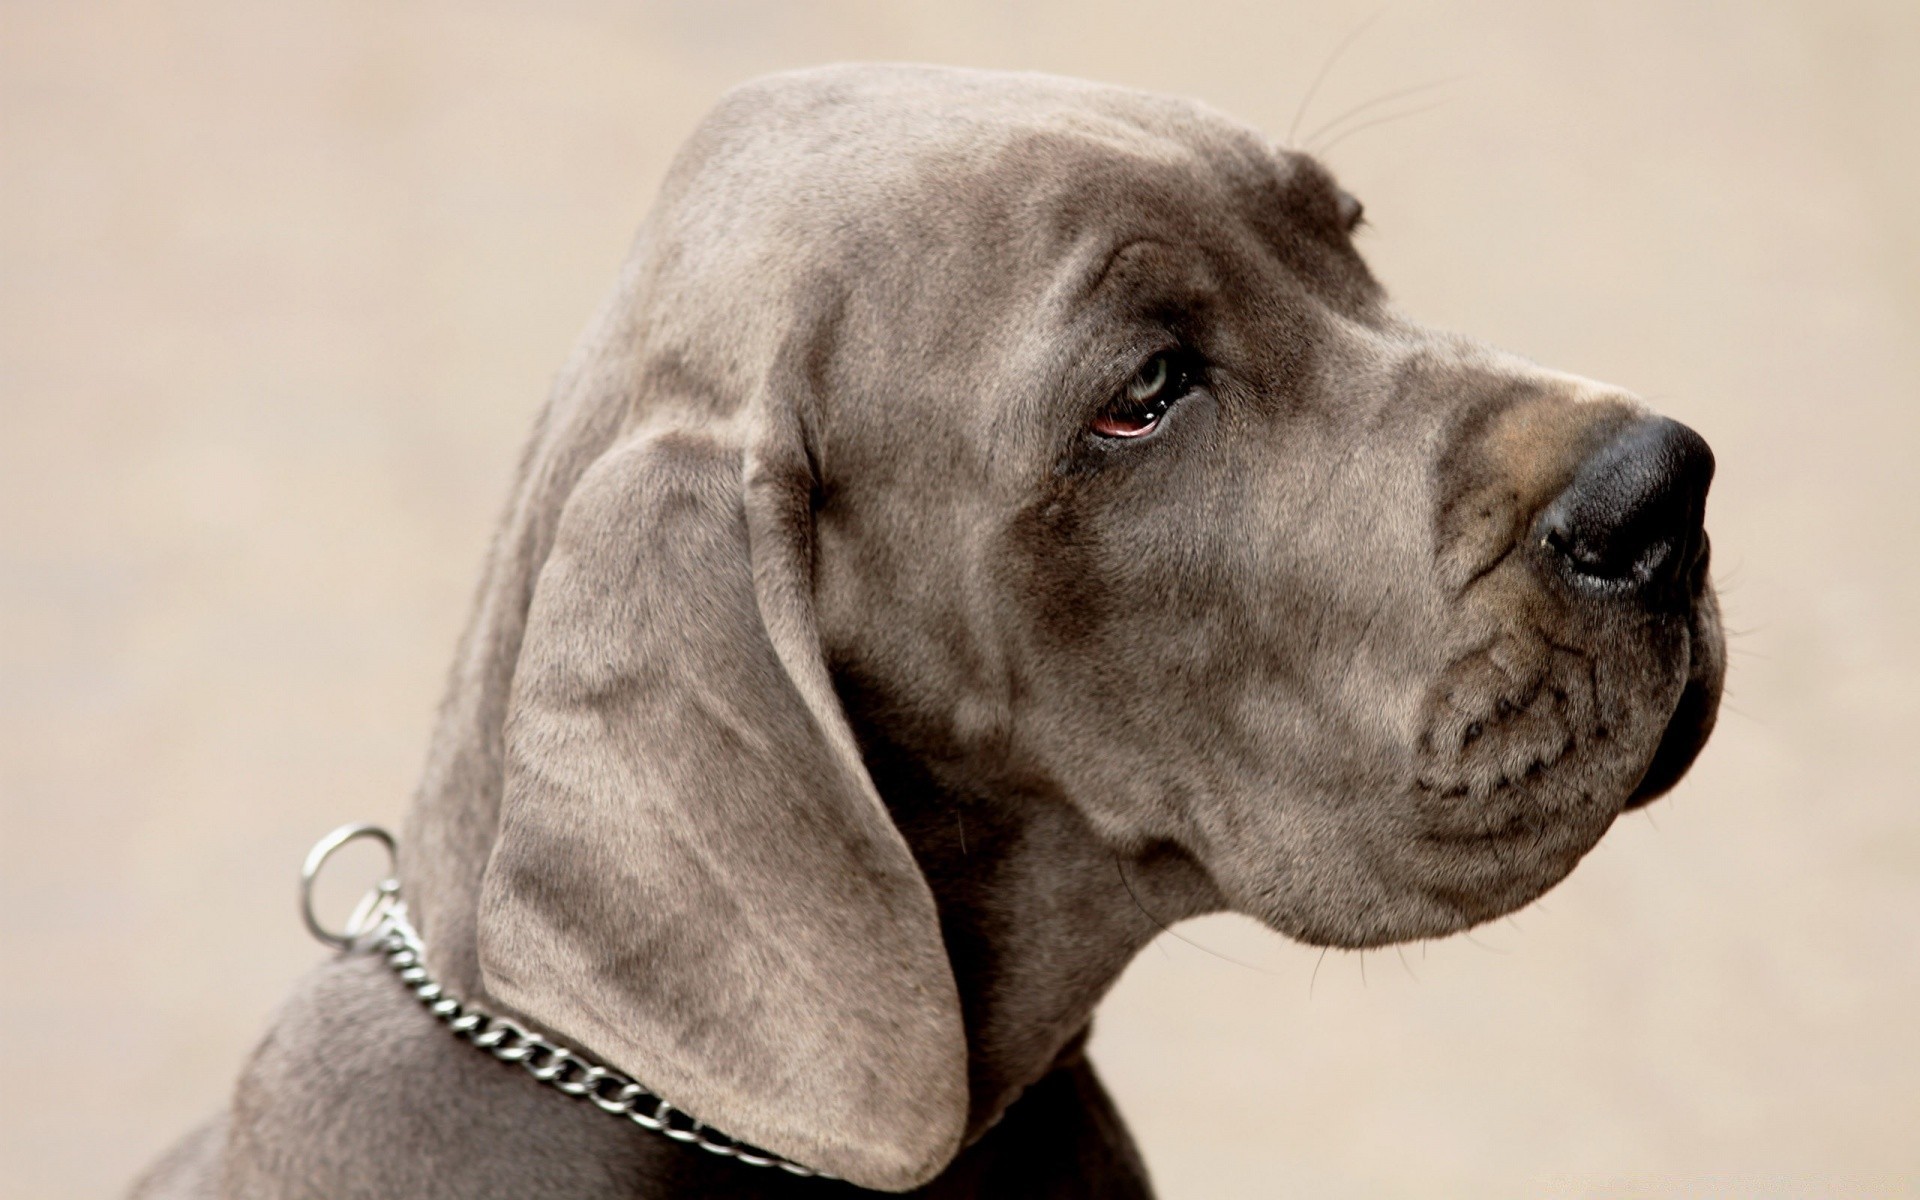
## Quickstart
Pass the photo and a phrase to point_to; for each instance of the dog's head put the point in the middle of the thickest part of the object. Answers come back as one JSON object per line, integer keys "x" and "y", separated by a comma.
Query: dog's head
{"x": 1063, "y": 431}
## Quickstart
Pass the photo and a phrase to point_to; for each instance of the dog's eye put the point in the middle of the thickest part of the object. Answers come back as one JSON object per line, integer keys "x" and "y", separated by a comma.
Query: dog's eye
{"x": 1350, "y": 210}
{"x": 1165, "y": 378}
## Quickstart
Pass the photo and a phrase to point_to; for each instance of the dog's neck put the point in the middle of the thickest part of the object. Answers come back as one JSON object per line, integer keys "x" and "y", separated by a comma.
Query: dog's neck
{"x": 1040, "y": 915}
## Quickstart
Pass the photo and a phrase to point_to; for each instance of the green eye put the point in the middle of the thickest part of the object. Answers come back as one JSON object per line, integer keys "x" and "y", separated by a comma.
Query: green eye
{"x": 1152, "y": 391}
{"x": 1151, "y": 380}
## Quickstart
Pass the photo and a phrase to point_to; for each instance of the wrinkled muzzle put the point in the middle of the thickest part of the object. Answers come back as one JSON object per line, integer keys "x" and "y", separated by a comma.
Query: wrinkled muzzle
{"x": 1580, "y": 555}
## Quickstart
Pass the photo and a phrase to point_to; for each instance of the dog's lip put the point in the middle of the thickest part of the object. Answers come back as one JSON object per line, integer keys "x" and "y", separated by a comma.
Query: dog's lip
{"x": 1541, "y": 831}
{"x": 1518, "y": 824}
{"x": 1680, "y": 744}
{"x": 1478, "y": 875}
{"x": 1697, "y": 709}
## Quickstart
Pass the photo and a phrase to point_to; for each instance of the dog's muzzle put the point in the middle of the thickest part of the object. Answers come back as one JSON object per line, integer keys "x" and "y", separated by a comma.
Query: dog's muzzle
{"x": 1630, "y": 529}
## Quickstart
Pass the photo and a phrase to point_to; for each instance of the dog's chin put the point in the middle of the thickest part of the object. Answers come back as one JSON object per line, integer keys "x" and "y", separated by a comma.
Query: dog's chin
{"x": 1513, "y": 793}
{"x": 1425, "y": 881}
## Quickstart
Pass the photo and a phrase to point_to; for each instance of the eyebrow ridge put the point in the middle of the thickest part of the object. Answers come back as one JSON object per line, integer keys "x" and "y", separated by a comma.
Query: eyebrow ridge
{"x": 1097, "y": 274}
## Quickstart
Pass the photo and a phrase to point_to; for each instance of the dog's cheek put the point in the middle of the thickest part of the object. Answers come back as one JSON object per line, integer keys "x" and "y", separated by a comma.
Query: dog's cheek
{"x": 1045, "y": 567}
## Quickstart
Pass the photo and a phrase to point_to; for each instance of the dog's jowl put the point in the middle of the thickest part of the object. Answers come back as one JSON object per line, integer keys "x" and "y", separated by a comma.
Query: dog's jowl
{"x": 989, "y": 508}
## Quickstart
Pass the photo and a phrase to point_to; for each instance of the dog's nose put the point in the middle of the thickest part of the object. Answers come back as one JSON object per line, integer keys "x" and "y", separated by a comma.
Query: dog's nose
{"x": 1631, "y": 520}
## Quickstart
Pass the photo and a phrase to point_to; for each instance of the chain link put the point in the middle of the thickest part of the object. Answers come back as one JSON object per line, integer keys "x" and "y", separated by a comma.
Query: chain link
{"x": 561, "y": 1067}
{"x": 380, "y": 925}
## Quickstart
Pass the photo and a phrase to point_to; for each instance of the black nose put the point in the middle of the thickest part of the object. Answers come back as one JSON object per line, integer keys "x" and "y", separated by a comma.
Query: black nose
{"x": 1631, "y": 520}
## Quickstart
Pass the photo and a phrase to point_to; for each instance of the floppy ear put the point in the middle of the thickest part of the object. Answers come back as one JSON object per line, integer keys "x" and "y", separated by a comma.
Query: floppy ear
{"x": 694, "y": 876}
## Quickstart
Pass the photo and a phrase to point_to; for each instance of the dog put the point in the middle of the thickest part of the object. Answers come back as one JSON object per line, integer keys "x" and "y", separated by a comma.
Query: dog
{"x": 990, "y": 508}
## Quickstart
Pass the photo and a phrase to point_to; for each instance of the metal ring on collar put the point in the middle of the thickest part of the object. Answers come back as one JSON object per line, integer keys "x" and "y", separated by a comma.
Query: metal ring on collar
{"x": 370, "y": 908}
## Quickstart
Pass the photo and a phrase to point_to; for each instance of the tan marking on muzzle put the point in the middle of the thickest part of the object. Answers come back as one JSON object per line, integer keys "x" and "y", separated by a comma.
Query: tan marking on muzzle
{"x": 1523, "y": 458}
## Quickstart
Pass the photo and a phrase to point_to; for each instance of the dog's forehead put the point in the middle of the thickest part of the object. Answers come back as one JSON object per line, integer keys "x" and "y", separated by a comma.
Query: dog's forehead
{"x": 924, "y": 154}
{"x": 942, "y": 225}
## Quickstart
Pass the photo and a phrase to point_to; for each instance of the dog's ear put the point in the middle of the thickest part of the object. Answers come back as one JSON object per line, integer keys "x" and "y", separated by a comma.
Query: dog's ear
{"x": 694, "y": 876}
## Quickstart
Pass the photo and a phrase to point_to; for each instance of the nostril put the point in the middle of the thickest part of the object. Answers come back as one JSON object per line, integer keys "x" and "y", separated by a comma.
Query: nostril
{"x": 1603, "y": 557}
{"x": 1632, "y": 516}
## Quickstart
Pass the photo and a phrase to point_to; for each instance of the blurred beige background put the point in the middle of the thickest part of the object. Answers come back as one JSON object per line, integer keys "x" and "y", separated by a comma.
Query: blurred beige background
{"x": 281, "y": 287}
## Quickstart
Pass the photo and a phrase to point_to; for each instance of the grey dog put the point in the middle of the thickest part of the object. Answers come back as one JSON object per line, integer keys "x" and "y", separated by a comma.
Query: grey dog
{"x": 991, "y": 507}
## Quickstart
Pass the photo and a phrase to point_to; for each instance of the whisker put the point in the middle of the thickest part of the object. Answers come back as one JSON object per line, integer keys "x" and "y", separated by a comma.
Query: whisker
{"x": 1165, "y": 928}
{"x": 1468, "y": 934}
{"x": 1376, "y": 102}
{"x": 1323, "y": 151}
{"x": 1313, "y": 88}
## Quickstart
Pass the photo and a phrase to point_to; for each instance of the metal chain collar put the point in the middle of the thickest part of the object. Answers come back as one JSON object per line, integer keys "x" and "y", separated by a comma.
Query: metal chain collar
{"x": 380, "y": 925}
